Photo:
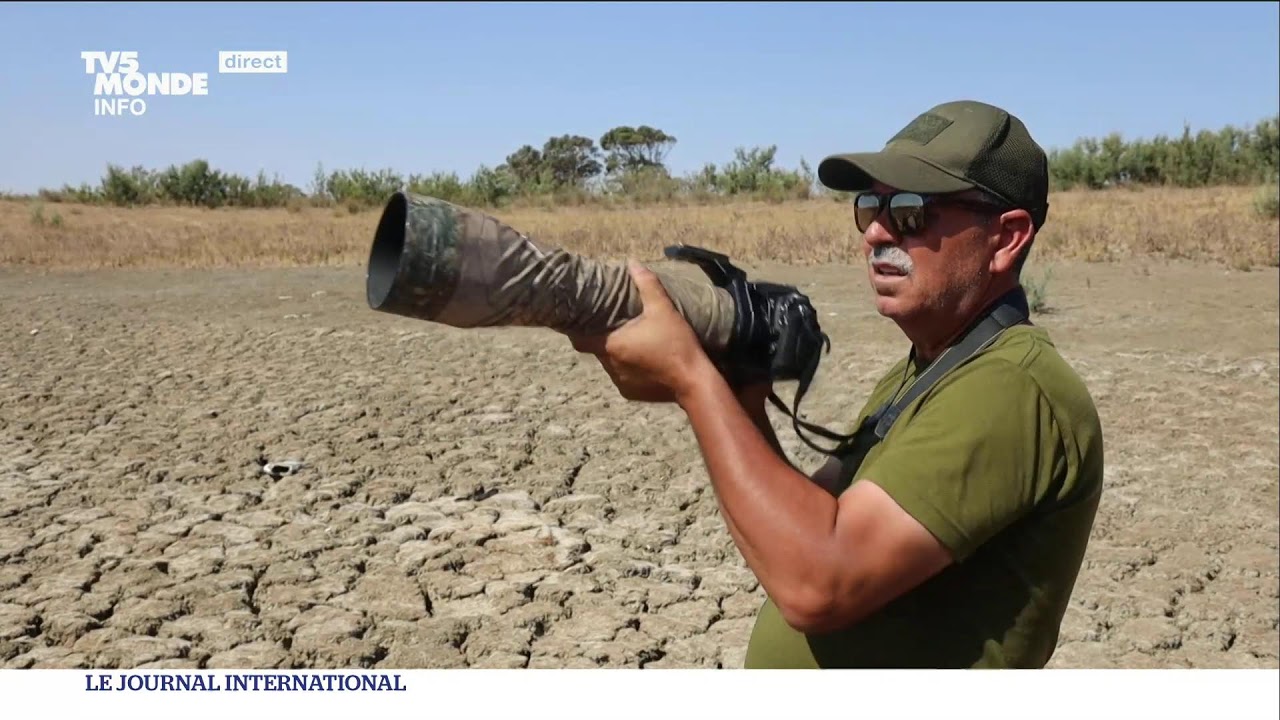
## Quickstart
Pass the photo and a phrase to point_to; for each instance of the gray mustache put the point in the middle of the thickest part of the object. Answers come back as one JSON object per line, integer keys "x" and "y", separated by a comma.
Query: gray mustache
{"x": 892, "y": 255}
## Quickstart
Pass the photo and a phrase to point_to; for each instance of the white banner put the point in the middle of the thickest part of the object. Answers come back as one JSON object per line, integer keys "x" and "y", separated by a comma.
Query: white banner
{"x": 651, "y": 695}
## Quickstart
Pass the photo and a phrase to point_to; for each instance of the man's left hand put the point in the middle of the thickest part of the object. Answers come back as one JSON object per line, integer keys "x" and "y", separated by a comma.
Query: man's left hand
{"x": 654, "y": 357}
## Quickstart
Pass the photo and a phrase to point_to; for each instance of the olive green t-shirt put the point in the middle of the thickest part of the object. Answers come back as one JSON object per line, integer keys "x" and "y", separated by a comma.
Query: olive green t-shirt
{"x": 1002, "y": 461}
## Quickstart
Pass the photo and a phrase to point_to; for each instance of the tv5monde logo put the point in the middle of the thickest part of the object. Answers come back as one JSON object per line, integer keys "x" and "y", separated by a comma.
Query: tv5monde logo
{"x": 121, "y": 88}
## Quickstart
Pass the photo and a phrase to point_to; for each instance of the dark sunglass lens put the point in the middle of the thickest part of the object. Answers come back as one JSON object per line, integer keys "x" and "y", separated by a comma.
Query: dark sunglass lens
{"x": 907, "y": 211}
{"x": 866, "y": 208}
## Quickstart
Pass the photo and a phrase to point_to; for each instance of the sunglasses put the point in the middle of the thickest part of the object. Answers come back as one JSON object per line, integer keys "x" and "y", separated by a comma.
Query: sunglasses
{"x": 907, "y": 210}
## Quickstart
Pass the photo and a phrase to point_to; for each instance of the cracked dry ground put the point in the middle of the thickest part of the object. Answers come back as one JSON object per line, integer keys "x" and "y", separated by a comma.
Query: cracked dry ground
{"x": 484, "y": 499}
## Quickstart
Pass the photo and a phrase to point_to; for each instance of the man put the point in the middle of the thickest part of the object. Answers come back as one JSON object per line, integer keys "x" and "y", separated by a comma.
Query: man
{"x": 955, "y": 538}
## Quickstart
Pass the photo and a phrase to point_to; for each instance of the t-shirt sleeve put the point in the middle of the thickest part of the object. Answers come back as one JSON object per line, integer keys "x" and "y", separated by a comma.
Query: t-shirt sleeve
{"x": 974, "y": 458}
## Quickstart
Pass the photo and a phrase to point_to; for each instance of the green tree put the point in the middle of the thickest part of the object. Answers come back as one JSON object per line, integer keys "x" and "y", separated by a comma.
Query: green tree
{"x": 570, "y": 160}
{"x": 136, "y": 186}
{"x": 633, "y": 148}
{"x": 196, "y": 183}
{"x": 525, "y": 166}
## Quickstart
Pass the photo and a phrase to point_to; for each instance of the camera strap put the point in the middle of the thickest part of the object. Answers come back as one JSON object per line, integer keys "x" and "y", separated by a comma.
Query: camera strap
{"x": 1011, "y": 309}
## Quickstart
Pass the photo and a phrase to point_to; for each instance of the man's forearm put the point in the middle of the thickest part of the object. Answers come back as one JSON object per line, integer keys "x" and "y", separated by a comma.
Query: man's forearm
{"x": 779, "y": 520}
{"x": 753, "y": 402}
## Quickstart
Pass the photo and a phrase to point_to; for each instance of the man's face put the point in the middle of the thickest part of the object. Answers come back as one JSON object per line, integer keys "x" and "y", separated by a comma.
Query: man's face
{"x": 930, "y": 272}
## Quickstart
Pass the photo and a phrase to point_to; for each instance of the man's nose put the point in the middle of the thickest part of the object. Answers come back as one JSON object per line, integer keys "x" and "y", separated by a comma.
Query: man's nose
{"x": 878, "y": 233}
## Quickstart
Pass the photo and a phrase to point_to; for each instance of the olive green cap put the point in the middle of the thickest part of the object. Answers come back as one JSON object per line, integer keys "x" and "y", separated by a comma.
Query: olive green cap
{"x": 953, "y": 147}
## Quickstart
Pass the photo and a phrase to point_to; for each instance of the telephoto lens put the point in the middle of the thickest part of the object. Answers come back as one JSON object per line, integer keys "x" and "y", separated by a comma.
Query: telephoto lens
{"x": 435, "y": 261}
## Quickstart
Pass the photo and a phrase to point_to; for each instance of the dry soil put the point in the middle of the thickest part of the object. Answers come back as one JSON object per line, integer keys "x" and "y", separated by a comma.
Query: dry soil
{"x": 483, "y": 498}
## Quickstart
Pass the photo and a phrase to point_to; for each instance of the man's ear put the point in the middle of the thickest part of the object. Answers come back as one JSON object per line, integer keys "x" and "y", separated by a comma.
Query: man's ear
{"x": 1013, "y": 235}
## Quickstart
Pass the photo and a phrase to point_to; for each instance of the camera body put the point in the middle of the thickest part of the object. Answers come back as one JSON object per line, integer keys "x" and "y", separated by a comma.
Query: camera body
{"x": 776, "y": 335}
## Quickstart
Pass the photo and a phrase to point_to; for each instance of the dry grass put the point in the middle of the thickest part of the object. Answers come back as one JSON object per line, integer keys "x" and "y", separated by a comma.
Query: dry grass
{"x": 1218, "y": 225}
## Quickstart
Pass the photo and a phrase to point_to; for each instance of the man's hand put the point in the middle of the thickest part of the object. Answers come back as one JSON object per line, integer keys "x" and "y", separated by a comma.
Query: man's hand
{"x": 654, "y": 357}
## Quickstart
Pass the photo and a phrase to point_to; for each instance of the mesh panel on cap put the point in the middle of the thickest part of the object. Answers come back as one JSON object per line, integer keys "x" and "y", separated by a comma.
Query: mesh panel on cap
{"x": 1012, "y": 165}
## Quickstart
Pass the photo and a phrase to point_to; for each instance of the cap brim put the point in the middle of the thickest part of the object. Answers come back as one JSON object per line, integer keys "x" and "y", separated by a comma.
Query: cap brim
{"x": 858, "y": 171}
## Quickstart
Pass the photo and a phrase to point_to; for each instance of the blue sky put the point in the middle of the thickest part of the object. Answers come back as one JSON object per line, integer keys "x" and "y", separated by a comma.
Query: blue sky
{"x": 420, "y": 88}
